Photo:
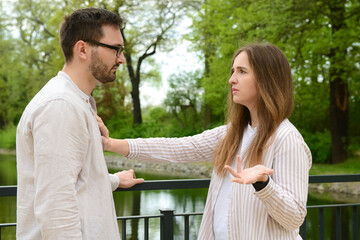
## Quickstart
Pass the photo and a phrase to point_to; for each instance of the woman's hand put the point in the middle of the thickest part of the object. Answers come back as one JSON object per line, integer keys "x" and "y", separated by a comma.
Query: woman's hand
{"x": 104, "y": 133}
{"x": 119, "y": 146}
{"x": 258, "y": 173}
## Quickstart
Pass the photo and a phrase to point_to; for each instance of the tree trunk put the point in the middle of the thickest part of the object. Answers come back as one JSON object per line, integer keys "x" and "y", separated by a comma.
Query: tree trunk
{"x": 339, "y": 118}
{"x": 135, "y": 95}
{"x": 135, "y": 83}
{"x": 208, "y": 52}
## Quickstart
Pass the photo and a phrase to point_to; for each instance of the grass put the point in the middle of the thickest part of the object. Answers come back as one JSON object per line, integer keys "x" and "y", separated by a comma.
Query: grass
{"x": 350, "y": 166}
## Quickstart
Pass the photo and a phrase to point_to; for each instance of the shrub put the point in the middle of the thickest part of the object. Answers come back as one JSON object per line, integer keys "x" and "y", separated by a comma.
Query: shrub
{"x": 8, "y": 137}
{"x": 319, "y": 144}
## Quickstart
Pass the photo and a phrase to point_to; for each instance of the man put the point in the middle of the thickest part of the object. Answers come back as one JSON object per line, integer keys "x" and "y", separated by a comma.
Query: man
{"x": 64, "y": 189}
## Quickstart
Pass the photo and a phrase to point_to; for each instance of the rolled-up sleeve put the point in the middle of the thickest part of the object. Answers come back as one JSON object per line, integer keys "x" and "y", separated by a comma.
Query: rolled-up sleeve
{"x": 61, "y": 140}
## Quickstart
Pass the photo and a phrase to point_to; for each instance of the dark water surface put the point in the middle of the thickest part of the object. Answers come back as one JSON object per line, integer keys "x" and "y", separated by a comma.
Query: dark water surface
{"x": 182, "y": 201}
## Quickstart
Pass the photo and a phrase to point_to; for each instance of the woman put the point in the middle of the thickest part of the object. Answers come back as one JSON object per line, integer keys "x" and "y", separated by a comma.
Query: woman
{"x": 257, "y": 138}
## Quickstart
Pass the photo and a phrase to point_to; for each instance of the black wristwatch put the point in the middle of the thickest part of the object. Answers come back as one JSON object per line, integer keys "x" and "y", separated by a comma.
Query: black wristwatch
{"x": 260, "y": 185}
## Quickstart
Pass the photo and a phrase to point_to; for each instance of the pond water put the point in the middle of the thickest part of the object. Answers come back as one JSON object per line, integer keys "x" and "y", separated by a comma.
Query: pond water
{"x": 182, "y": 201}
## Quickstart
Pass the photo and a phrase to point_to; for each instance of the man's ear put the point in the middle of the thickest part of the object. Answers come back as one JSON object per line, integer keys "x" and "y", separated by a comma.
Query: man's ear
{"x": 81, "y": 50}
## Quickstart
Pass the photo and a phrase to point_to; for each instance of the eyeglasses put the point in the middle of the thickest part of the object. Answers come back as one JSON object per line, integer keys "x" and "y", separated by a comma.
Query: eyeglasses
{"x": 118, "y": 49}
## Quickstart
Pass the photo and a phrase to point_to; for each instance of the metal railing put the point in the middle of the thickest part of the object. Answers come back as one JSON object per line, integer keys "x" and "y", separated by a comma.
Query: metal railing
{"x": 167, "y": 216}
{"x": 338, "y": 207}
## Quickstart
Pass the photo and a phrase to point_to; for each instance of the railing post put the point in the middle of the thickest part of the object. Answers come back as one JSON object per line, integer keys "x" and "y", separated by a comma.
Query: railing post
{"x": 167, "y": 224}
{"x": 338, "y": 223}
{"x": 303, "y": 230}
{"x": 123, "y": 235}
{"x": 355, "y": 222}
{"x": 146, "y": 228}
{"x": 186, "y": 227}
{"x": 321, "y": 224}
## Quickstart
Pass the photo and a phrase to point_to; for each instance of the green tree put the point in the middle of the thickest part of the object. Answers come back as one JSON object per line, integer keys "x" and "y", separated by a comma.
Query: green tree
{"x": 183, "y": 99}
{"x": 15, "y": 89}
{"x": 320, "y": 38}
{"x": 4, "y": 80}
{"x": 149, "y": 26}
{"x": 33, "y": 53}
{"x": 35, "y": 56}
{"x": 326, "y": 33}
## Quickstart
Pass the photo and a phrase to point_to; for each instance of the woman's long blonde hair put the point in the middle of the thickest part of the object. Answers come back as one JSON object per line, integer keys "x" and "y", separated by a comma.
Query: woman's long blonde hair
{"x": 274, "y": 104}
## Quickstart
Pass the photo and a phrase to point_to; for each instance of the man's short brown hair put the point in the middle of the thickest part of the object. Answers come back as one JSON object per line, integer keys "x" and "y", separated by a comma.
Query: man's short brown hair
{"x": 85, "y": 24}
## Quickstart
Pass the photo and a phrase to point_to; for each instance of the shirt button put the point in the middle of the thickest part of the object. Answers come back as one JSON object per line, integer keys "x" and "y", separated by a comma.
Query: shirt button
{"x": 87, "y": 101}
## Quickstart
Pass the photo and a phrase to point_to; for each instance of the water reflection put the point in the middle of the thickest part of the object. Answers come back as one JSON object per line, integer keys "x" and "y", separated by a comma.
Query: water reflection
{"x": 182, "y": 201}
{"x": 312, "y": 223}
{"x": 150, "y": 202}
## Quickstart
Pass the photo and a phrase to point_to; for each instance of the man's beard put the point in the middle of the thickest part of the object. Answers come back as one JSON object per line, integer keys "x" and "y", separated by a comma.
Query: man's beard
{"x": 99, "y": 70}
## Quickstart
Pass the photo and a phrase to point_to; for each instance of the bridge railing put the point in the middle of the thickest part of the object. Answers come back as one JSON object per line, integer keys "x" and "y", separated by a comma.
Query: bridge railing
{"x": 167, "y": 215}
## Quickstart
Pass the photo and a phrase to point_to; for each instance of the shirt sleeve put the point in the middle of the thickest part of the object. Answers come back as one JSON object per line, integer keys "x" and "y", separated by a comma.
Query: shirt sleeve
{"x": 187, "y": 149}
{"x": 61, "y": 140}
{"x": 285, "y": 195}
{"x": 114, "y": 180}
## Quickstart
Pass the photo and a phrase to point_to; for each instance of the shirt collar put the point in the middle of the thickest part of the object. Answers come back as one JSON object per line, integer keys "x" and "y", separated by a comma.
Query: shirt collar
{"x": 88, "y": 99}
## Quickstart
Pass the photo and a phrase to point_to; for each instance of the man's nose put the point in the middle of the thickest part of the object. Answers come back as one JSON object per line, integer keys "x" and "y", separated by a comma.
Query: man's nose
{"x": 120, "y": 59}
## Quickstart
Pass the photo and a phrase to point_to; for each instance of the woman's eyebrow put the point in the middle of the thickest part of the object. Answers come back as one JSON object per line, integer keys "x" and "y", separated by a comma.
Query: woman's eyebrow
{"x": 241, "y": 68}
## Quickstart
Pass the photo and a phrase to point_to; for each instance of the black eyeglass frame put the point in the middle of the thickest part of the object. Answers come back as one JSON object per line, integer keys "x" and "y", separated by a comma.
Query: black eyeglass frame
{"x": 119, "y": 49}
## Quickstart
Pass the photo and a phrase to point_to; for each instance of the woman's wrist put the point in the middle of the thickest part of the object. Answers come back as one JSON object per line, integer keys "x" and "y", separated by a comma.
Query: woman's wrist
{"x": 261, "y": 185}
{"x": 119, "y": 146}
{"x": 108, "y": 145}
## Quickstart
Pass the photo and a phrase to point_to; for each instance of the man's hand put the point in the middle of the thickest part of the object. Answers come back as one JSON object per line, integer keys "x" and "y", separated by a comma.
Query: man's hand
{"x": 104, "y": 133}
{"x": 128, "y": 179}
{"x": 258, "y": 173}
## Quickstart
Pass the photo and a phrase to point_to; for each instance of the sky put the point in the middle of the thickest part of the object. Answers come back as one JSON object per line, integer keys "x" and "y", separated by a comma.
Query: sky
{"x": 180, "y": 59}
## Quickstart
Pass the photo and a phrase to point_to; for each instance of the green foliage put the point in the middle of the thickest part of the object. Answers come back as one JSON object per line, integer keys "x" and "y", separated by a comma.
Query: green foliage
{"x": 302, "y": 29}
{"x": 306, "y": 32}
{"x": 37, "y": 45}
{"x": 312, "y": 117}
{"x": 30, "y": 60}
{"x": 319, "y": 144}
{"x": 216, "y": 87}
{"x": 8, "y": 137}
{"x": 121, "y": 124}
{"x": 354, "y": 113}
{"x": 183, "y": 99}
{"x": 157, "y": 123}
